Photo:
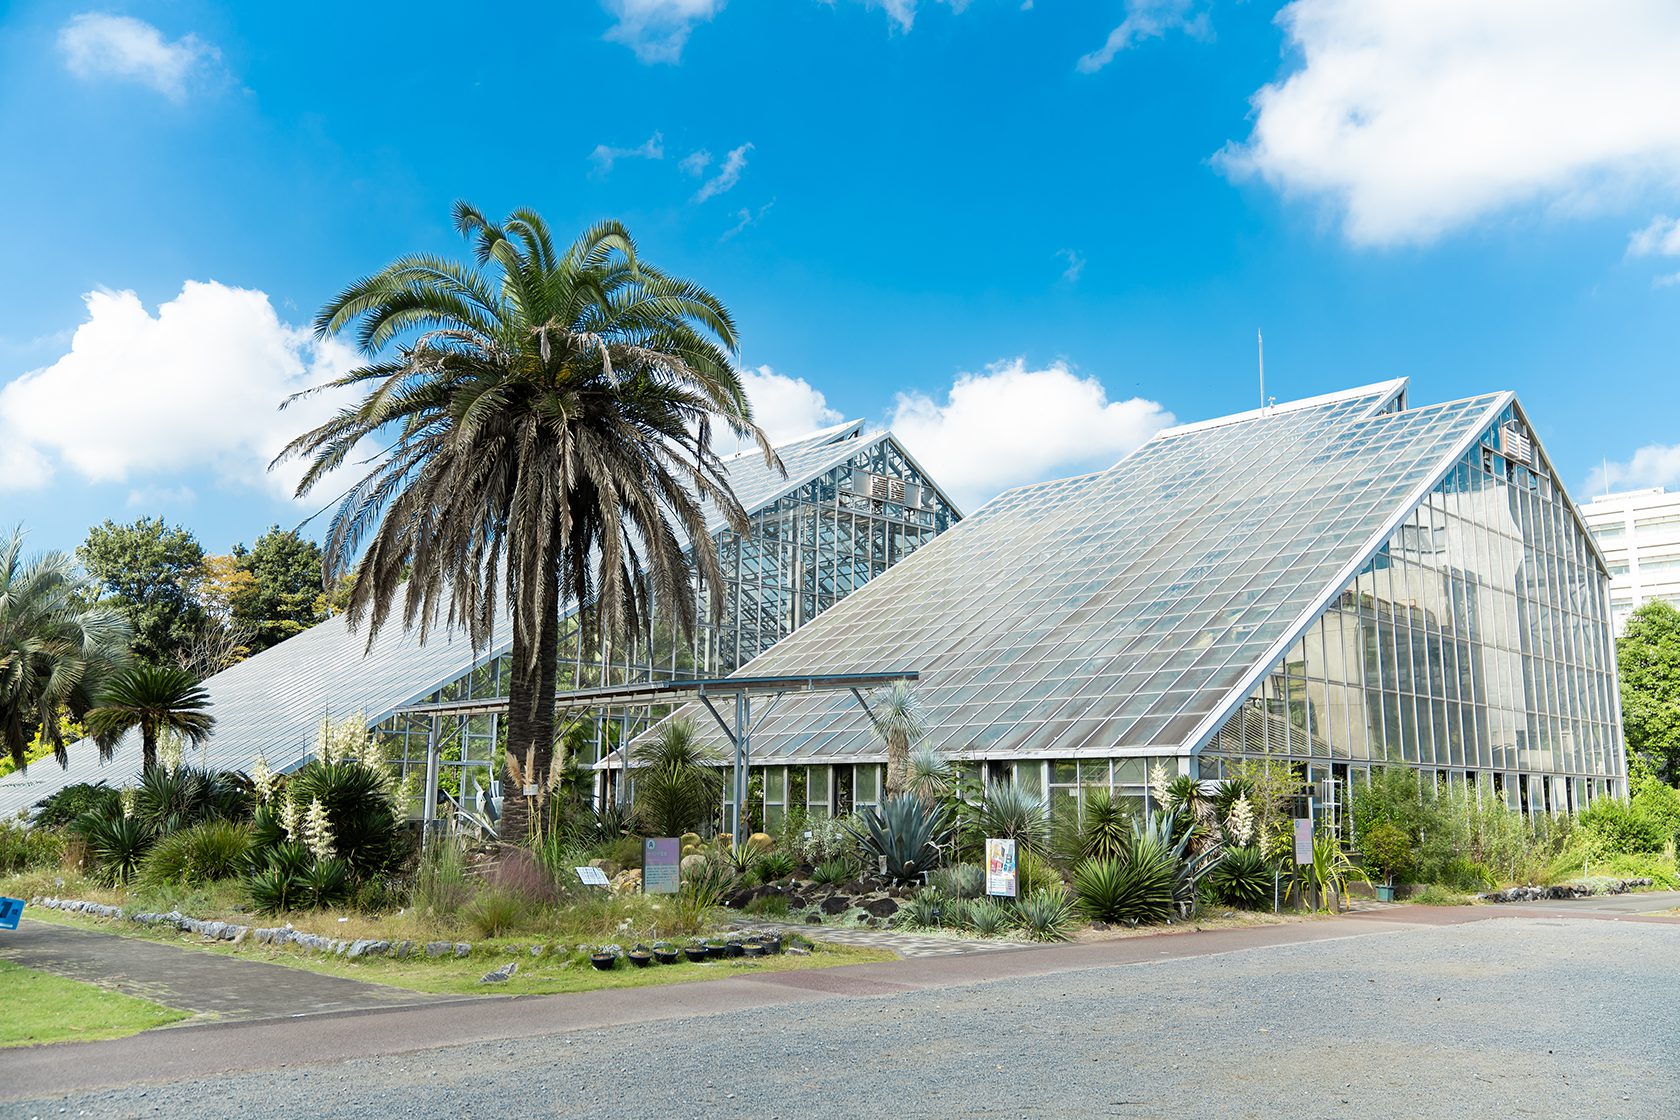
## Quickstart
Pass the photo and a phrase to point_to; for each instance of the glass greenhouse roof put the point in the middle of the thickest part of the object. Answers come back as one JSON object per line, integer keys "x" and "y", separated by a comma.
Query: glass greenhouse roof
{"x": 273, "y": 703}
{"x": 1131, "y": 610}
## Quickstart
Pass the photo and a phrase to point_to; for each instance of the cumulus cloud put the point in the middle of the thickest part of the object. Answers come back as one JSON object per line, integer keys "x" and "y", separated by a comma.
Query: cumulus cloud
{"x": 785, "y": 407}
{"x": 1652, "y": 465}
{"x": 1012, "y": 425}
{"x": 657, "y": 30}
{"x": 603, "y": 157}
{"x": 145, "y": 398}
{"x": 728, "y": 175}
{"x": 1146, "y": 19}
{"x": 98, "y": 45}
{"x": 1412, "y": 118}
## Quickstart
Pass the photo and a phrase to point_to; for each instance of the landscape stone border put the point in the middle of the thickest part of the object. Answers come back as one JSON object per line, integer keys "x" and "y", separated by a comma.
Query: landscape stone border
{"x": 1564, "y": 891}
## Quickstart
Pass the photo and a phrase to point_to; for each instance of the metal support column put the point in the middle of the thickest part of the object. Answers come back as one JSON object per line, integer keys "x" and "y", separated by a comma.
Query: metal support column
{"x": 434, "y": 755}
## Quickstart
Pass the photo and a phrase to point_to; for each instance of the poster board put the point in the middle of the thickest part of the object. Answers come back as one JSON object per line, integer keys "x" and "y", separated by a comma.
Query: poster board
{"x": 661, "y": 865}
{"x": 11, "y": 909}
{"x": 1001, "y": 875}
{"x": 1303, "y": 841}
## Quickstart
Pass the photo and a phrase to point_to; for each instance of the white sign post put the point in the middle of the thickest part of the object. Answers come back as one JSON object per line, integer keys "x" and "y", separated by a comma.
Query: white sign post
{"x": 1001, "y": 875}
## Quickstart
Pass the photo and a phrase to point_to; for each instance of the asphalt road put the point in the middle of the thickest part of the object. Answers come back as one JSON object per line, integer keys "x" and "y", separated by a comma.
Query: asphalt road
{"x": 1536, "y": 1015}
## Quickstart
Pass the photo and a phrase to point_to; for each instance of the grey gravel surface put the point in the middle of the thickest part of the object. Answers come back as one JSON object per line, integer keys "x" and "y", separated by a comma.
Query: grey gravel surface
{"x": 1555, "y": 1018}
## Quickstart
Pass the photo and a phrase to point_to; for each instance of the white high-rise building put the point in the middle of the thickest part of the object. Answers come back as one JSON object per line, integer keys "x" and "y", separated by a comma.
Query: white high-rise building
{"x": 1639, "y": 532}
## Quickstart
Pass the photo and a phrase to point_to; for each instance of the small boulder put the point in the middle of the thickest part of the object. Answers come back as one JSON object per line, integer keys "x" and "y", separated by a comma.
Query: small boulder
{"x": 501, "y": 975}
{"x": 462, "y": 948}
{"x": 438, "y": 948}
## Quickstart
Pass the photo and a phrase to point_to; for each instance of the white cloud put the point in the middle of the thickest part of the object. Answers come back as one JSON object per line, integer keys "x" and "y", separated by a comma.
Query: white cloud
{"x": 604, "y": 157}
{"x": 1660, "y": 238}
{"x": 197, "y": 387}
{"x": 158, "y": 497}
{"x": 1146, "y": 19}
{"x": 1416, "y": 117}
{"x": 100, "y": 45}
{"x": 1075, "y": 264}
{"x": 745, "y": 217}
{"x": 903, "y": 12}
{"x": 785, "y": 407}
{"x": 1652, "y": 465}
{"x": 1011, "y": 425}
{"x": 657, "y": 30}
{"x": 695, "y": 163}
{"x": 728, "y": 175}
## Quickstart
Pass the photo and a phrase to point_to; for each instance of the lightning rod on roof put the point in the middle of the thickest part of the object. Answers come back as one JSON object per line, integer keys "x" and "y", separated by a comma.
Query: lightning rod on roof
{"x": 1260, "y": 349}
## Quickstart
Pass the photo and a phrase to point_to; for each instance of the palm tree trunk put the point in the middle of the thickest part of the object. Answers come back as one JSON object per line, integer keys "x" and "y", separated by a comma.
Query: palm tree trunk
{"x": 898, "y": 763}
{"x": 148, "y": 748}
{"x": 530, "y": 729}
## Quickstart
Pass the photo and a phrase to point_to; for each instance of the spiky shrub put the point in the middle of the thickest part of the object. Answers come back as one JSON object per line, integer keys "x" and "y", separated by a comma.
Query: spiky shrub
{"x": 988, "y": 917}
{"x": 678, "y": 784}
{"x": 773, "y": 865}
{"x": 274, "y": 890}
{"x": 906, "y": 834}
{"x": 960, "y": 880}
{"x": 206, "y": 852}
{"x": 923, "y": 910}
{"x": 1135, "y": 889}
{"x": 836, "y": 870}
{"x": 956, "y": 912}
{"x": 705, "y": 884}
{"x": 326, "y": 884}
{"x": 116, "y": 845}
{"x": 357, "y": 800}
{"x": 1046, "y": 915}
{"x": 1013, "y": 812}
{"x": 1244, "y": 879}
{"x": 170, "y": 798}
{"x": 1105, "y": 827}
{"x": 1034, "y": 873}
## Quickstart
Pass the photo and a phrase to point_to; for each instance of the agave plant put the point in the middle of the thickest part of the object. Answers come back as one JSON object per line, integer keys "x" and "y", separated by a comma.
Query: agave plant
{"x": 905, "y": 833}
{"x": 1013, "y": 812}
{"x": 1242, "y": 879}
{"x": 1138, "y": 888}
{"x": 1046, "y": 915}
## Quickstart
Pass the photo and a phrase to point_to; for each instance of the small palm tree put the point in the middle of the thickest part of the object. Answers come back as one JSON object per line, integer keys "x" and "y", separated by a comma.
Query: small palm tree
{"x": 547, "y": 419}
{"x": 56, "y": 653}
{"x": 678, "y": 783}
{"x": 155, "y": 699}
{"x": 898, "y": 721}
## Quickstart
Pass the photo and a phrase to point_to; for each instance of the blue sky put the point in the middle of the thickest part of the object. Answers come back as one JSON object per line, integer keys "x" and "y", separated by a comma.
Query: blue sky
{"x": 1023, "y": 233}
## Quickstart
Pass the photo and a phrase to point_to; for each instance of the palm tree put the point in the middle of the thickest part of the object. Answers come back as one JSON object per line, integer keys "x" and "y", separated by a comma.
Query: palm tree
{"x": 898, "y": 721}
{"x": 548, "y": 416}
{"x": 156, "y": 699}
{"x": 55, "y": 651}
{"x": 678, "y": 782}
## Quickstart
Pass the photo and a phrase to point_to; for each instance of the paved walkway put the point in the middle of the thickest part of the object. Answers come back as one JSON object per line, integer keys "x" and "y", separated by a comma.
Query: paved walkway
{"x": 211, "y": 985}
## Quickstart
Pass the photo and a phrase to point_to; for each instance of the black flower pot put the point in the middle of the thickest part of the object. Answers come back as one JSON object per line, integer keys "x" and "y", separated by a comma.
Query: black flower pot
{"x": 773, "y": 944}
{"x": 717, "y": 952}
{"x": 667, "y": 956}
{"x": 641, "y": 960}
{"x": 753, "y": 949}
{"x": 603, "y": 961}
{"x": 697, "y": 953}
{"x": 736, "y": 949}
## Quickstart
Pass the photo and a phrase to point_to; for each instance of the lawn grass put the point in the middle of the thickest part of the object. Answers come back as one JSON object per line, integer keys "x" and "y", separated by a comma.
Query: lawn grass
{"x": 549, "y": 974}
{"x": 40, "y": 1007}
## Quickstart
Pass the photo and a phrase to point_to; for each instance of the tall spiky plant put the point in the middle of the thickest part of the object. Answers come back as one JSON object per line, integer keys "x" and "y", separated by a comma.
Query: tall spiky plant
{"x": 898, "y": 721}
{"x": 56, "y": 653}
{"x": 547, "y": 415}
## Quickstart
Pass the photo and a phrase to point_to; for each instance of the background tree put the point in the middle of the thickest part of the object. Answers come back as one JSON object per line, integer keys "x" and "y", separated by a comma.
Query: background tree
{"x": 56, "y": 652}
{"x": 151, "y": 572}
{"x": 155, "y": 699}
{"x": 547, "y": 421}
{"x": 280, "y": 598}
{"x": 1648, "y": 661}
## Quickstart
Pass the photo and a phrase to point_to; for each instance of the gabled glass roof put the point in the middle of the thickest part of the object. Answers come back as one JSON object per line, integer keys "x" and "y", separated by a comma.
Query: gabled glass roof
{"x": 274, "y": 702}
{"x": 1128, "y": 610}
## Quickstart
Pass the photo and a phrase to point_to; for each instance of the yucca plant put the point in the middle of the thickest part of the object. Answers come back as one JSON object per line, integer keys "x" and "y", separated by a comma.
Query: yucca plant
{"x": 930, "y": 775}
{"x": 1242, "y": 879}
{"x": 171, "y": 798}
{"x": 275, "y": 890}
{"x": 905, "y": 834}
{"x": 357, "y": 796}
{"x": 1013, "y": 812}
{"x": 1105, "y": 829}
{"x": 678, "y": 784}
{"x": 116, "y": 844}
{"x": 988, "y": 917}
{"x": 773, "y": 865}
{"x": 1133, "y": 890}
{"x": 835, "y": 870}
{"x": 326, "y": 883}
{"x": 1331, "y": 870}
{"x": 1046, "y": 915}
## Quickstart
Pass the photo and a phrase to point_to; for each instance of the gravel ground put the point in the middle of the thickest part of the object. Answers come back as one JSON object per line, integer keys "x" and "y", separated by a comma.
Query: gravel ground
{"x": 1493, "y": 1019}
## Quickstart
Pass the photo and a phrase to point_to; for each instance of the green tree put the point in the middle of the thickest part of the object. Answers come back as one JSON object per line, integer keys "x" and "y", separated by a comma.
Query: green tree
{"x": 898, "y": 723}
{"x": 150, "y": 571}
{"x": 56, "y": 652}
{"x": 547, "y": 420}
{"x": 1648, "y": 660}
{"x": 155, "y": 699}
{"x": 283, "y": 595}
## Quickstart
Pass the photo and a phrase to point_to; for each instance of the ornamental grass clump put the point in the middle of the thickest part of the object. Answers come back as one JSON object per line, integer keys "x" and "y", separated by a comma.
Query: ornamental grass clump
{"x": 207, "y": 852}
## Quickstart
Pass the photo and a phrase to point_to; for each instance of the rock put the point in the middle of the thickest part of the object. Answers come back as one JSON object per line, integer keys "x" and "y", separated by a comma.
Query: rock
{"x": 402, "y": 949}
{"x": 626, "y": 882}
{"x": 796, "y": 951}
{"x": 368, "y": 948}
{"x": 813, "y": 919}
{"x": 438, "y": 948}
{"x": 835, "y": 905}
{"x": 462, "y": 948}
{"x": 606, "y": 865}
{"x": 881, "y": 907}
{"x": 538, "y": 950}
{"x": 691, "y": 863}
{"x": 501, "y": 975}
{"x": 239, "y": 938}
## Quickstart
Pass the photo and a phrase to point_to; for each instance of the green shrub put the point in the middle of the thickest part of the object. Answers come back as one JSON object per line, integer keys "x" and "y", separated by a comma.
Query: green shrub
{"x": 704, "y": 885}
{"x": 960, "y": 880}
{"x": 206, "y": 852}
{"x": 1046, "y": 915}
{"x": 1437, "y": 895}
{"x": 73, "y": 802}
{"x": 1013, "y": 812}
{"x": 768, "y": 906}
{"x": 326, "y": 884}
{"x": 25, "y": 848}
{"x": 836, "y": 870}
{"x": 1135, "y": 889}
{"x": 496, "y": 913}
{"x": 988, "y": 917}
{"x": 366, "y": 827}
{"x": 1622, "y": 829}
{"x": 171, "y": 798}
{"x": 1386, "y": 850}
{"x": 677, "y": 790}
{"x": 1034, "y": 873}
{"x": 773, "y": 865}
{"x": 275, "y": 890}
{"x": 1244, "y": 878}
{"x": 117, "y": 846}
{"x": 923, "y": 910}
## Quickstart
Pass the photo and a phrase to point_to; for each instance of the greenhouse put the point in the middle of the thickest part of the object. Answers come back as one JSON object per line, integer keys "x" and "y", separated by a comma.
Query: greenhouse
{"x": 1339, "y": 583}
{"x": 850, "y": 505}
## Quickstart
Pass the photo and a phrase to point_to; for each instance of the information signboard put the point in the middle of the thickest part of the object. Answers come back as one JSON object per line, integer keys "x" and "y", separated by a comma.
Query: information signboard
{"x": 591, "y": 876}
{"x": 1000, "y": 868}
{"x": 1303, "y": 841}
{"x": 661, "y": 865}
{"x": 11, "y": 909}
